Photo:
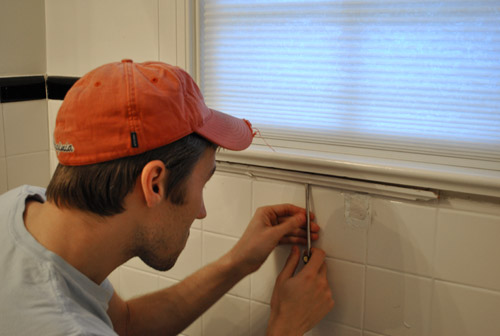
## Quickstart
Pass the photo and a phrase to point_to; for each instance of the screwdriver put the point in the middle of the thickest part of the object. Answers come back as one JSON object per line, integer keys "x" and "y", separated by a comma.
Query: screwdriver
{"x": 307, "y": 253}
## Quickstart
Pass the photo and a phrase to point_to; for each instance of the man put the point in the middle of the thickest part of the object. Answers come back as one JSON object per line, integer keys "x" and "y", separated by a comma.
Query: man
{"x": 136, "y": 145}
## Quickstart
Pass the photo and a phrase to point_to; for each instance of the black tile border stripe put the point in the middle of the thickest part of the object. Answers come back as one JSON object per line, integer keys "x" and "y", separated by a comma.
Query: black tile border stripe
{"x": 58, "y": 86}
{"x": 15, "y": 89}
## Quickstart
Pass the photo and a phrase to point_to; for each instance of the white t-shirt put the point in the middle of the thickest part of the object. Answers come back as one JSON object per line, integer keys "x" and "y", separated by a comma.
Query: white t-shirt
{"x": 40, "y": 293}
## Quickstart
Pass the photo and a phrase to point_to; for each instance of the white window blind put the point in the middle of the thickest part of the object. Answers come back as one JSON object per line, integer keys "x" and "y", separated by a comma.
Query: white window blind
{"x": 419, "y": 77}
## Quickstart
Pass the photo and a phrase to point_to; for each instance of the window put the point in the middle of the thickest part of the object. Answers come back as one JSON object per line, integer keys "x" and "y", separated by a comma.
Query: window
{"x": 413, "y": 80}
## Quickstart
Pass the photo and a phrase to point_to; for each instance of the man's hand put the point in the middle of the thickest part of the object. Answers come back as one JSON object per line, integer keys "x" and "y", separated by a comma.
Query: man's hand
{"x": 270, "y": 226}
{"x": 188, "y": 299}
{"x": 301, "y": 301}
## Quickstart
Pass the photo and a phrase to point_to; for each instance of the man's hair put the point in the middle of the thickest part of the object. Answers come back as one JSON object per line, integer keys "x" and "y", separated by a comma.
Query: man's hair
{"x": 101, "y": 188}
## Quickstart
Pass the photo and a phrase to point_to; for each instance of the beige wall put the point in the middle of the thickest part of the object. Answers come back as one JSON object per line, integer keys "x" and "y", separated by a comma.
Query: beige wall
{"x": 23, "y": 125}
{"x": 22, "y": 37}
{"x": 413, "y": 268}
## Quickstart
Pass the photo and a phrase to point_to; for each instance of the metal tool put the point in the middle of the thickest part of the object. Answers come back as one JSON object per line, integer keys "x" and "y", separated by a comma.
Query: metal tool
{"x": 307, "y": 253}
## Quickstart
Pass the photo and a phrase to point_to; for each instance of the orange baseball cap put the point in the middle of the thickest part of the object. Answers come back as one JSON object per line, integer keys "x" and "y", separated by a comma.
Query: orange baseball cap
{"x": 125, "y": 108}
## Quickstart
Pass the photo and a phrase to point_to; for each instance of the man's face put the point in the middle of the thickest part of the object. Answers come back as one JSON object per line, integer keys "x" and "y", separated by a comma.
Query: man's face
{"x": 167, "y": 236}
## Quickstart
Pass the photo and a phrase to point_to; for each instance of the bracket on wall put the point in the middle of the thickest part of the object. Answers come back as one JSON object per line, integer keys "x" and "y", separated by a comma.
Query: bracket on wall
{"x": 342, "y": 183}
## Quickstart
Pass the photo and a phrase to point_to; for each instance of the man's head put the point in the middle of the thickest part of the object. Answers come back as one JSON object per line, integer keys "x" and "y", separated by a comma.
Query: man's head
{"x": 122, "y": 115}
{"x": 101, "y": 188}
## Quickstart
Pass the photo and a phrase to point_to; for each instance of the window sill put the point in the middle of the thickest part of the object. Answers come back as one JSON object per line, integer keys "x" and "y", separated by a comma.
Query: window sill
{"x": 370, "y": 170}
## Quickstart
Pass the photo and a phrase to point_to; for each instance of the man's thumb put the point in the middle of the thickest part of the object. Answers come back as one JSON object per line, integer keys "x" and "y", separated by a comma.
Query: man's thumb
{"x": 290, "y": 265}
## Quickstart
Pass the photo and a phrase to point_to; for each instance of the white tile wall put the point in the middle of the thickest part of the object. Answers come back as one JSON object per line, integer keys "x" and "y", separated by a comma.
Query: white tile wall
{"x": 3, "y": 175}
{"x": 26, "y": 127}
{"x": 339, "y": 239}
{"x": 214, "y": 247}
{"x": 229, "y": 204}
{"x": 190, "y": 260}
{"x": 471, "y": 240}
{"x": 368, "y": 333}
{"x": 24, "y": 142}
{"x": 402, "y": 236}
{"x": 53, "y": 161}
{"x": 30, "y": 169}
{"x": 52, "y": 108}
{"x": 262, "y": 281}
{"x": 334, "y": 329}
{"x": 396, "y": 303}
{"x": 114, "y": 277}
{"x": 347, "y": 281}
{"x": 3, "y": 161}
{"x": 462, "y": 311}
{"x": 229, "y": 316}
{"x": 137, "y": 263}
{"x": 267, "y": 192}
{"x": 134, "y": 282}
{"x": 2, "y": 133}
{"x": 259, "y": 317}
{"x": 197, "y": 224}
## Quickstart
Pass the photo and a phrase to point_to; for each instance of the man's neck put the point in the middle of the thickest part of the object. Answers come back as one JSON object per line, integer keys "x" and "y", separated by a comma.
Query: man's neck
{"x": 87, "y": 242}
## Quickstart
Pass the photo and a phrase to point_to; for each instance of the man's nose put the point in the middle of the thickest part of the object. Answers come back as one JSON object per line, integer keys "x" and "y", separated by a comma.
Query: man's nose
{"x": 203, "y": 212}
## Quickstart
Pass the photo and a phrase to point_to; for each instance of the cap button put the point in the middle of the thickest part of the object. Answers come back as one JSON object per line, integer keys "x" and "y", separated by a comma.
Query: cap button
{"x": 126, "y": 60}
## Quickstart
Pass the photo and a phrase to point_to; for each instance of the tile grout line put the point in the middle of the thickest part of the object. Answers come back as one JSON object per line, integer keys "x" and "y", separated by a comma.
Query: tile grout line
{"x": 251, "y": 275}
{"x": 5, "y": 148}
{"x": 468, "y": 286}
{"x": 367, "y": 237}
{"x": 202, "y": 243}
{"x": 158, "y": 17}
{"x": 433, "y": 268}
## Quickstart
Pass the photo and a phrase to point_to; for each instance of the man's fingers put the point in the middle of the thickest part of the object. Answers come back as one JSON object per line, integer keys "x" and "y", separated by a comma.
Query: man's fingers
{"x": 302, "y": 231}
{"x": 293, "y": 240}
{"x": 314, "y": 227}
{"x": 290, "y": 239}
{"x": 316, "y": 261}
{"x": 290, "y": 265}
{"x": 289, "y": 224}
{"x": 322, "y": 270}
{"x": 281, "y": 210}
{"x": 298, "y": 235}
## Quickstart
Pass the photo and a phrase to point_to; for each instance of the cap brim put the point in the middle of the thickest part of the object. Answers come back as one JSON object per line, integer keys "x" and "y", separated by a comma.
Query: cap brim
{"x": 227, "y": 131}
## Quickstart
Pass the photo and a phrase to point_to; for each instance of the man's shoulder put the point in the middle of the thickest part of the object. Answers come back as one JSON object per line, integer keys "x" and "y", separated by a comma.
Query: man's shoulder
{"x": 43, "y": 309}
{"x": 22, "y": 192}
{"x": 41, "y": 322}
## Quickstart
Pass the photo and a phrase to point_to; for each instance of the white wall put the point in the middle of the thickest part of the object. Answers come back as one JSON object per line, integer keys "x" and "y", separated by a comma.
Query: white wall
{"x": 22, "y": 37}
{"x": 415, "y": 268}
{"x": 24, "y": 138}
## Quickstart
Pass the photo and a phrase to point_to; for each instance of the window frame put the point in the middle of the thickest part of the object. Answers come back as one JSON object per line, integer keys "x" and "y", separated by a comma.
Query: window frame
{"x": 391, "y": 168}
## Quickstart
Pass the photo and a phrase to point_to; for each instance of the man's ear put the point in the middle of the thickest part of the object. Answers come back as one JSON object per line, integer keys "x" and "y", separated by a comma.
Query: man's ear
{"x": 153, "y": 178}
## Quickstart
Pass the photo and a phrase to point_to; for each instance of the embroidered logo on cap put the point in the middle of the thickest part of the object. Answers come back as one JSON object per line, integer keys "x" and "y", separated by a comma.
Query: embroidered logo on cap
{"x": 67, "y": 148}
